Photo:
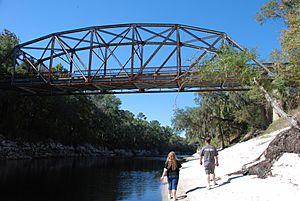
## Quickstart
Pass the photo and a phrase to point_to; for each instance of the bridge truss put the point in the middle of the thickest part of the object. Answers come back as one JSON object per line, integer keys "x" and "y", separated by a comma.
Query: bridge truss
{"x": 124, "y": 58}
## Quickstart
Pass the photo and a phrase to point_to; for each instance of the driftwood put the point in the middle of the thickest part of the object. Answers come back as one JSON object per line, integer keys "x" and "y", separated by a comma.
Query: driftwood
{"x": 250, "y": 135}
{"x": 285, "y": 142}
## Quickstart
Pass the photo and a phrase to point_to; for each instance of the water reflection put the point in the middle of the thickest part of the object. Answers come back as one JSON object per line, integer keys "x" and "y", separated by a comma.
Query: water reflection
{"x": 86, "y": 179}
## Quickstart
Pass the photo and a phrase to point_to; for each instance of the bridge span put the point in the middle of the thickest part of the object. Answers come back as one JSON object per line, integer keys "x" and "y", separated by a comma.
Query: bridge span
{"x": 123, "y": 58}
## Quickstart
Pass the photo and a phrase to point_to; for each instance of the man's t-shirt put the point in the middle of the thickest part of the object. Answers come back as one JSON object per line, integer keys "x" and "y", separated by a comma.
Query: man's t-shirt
{"x": 209, "y": 152}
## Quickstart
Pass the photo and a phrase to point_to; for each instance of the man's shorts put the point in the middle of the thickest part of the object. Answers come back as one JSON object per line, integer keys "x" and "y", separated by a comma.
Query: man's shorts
{"x": 210, "y": 169}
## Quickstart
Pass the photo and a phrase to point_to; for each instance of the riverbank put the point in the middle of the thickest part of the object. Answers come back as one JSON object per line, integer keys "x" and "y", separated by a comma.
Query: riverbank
{"x": 19, "y": 149}
{"x": 283, "y": 183}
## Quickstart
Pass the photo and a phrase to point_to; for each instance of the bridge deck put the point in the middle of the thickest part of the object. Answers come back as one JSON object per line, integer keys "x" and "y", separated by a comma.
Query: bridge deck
{"x": 60, "y": 84}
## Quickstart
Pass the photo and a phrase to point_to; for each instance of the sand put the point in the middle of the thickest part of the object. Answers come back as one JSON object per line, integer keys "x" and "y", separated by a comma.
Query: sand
{"x": 283, "y": 184}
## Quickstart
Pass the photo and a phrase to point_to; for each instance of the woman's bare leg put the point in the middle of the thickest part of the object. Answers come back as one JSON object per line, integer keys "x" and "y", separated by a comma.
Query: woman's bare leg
{"x": 174, "y": 194}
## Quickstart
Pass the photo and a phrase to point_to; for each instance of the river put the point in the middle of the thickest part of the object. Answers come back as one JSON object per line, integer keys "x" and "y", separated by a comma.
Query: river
{"x": 81, "y": 179}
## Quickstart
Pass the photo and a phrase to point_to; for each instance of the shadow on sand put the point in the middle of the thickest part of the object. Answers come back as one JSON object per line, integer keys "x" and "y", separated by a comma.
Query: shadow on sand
{"x": 217, "y": 186}
{"x": 182, "y": 197}
{"x": 228, "y": 181}
{"x": 194, "y": 189}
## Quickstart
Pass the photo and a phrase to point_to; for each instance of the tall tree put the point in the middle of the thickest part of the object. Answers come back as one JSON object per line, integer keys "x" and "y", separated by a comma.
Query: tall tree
{"x": 288, "y": 58}
{"x": 8, "y": 41}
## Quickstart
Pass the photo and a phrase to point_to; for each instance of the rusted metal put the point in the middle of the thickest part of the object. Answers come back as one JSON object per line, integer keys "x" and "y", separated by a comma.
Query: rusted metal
{"x": 178, "y": 51}
{"x": 91, "y": 54}
{"x": 51, "y": 58}
{"x": 121, "y": 58}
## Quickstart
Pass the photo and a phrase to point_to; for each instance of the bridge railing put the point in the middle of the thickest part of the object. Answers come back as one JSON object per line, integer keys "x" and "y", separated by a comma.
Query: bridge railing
{"x": 114, "y": 72}
{"x": 111, "y": 72}
{"x": 108, "y": 73}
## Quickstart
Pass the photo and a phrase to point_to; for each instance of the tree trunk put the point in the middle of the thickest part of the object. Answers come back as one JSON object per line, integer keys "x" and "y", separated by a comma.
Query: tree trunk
{"x": 221, "y": 136}
{"x": 293, "y": 122}
{"x": 266, "y": 118}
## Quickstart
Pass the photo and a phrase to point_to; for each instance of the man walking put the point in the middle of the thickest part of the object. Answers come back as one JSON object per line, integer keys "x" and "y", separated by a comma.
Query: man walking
{"x": 210, "y": 155}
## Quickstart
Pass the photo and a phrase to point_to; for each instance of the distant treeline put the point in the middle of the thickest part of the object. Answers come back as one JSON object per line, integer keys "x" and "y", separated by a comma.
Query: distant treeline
{"x": 95, "y": 119}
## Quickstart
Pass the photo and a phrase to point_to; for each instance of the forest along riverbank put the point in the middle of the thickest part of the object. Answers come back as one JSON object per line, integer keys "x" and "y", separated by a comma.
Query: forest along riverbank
{"x": 19, "y": 149}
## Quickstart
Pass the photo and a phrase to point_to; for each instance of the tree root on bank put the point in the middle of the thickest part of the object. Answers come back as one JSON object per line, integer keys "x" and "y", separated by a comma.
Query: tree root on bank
{"x": 285, "y": 142}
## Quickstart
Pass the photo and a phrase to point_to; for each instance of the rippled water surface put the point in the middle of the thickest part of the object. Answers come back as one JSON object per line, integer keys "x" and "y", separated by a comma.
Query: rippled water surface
{"x": 84, "y": 179}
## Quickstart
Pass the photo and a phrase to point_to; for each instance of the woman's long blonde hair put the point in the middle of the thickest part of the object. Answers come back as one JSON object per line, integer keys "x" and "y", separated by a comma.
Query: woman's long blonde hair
{"x": 172, "y": 161}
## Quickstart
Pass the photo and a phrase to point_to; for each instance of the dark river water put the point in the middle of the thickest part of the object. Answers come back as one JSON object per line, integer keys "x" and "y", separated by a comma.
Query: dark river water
{"x": 82, "y": 179}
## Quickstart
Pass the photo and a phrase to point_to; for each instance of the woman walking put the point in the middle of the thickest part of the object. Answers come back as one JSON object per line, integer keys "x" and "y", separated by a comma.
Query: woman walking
{"x": 171, "y": 170}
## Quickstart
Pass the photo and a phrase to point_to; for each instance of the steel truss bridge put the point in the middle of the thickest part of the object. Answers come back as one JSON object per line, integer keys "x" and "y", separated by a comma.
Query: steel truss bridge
{"x": 123, "y": 58}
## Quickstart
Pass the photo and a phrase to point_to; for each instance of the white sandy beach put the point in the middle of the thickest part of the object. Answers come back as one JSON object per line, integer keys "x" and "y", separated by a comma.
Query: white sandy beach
{"x": 284, "y": 184}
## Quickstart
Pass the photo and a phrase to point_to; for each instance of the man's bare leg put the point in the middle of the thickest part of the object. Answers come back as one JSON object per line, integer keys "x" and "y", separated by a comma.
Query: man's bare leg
{"x": 214, "y": 179}
{"x": 208, "y": 181}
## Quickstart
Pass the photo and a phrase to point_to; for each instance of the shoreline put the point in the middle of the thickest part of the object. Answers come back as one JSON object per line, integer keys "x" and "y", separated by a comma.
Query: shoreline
{"x": 25, "y": 150}
{"x": 19, "y": 150}
{"x": 283, "y": 183}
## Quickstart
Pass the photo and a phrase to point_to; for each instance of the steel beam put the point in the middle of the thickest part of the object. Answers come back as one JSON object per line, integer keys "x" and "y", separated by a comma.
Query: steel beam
{"x": 118, "y": 58}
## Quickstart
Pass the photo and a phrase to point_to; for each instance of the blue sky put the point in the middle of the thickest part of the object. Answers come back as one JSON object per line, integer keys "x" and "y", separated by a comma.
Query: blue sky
{"x": 30, "y": 19}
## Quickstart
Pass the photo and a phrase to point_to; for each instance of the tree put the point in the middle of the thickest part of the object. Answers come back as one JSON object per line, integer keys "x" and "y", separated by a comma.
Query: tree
{"x": 141, "y": 116}
{"x": 225, "y": 116}
{"x": 278, "y": 9}
{"x": 8, "y": 41}
{"x": 95, "y": 119}
{"x": 288, "y": 59}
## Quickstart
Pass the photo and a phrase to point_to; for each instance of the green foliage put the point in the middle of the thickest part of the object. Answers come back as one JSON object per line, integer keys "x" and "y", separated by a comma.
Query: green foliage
{"x": 288, "y": 59}
{"x": 287, "y": 81}
{"x": 270, "y": 10}
{"x": 95, "y": 119}
{"x": 222, "y": 115}
{"x": 229, "y": 64}
{"x": 277, "y": 9}
{"x": 226, "y": 116}
{"x": 59, "y": 70}
{"x": 8, "y": 41}
{"x": 83, "y": 119}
